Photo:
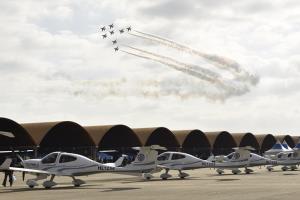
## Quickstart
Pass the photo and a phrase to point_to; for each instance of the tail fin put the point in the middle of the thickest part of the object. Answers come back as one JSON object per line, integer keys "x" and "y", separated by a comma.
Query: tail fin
{"x": 147, "y": 155}
{"x": 6, "y": 164}
{"x": 119, "y": 162}
{"x": 211, "y": 158}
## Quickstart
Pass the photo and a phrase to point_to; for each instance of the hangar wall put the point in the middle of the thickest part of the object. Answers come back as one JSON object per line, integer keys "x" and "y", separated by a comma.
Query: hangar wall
{"x": 72, "y": 137}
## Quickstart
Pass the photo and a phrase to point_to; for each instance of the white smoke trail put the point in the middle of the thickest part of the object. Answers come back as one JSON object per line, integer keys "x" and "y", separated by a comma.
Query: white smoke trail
{"x": 218, "y": 59}
{"x": 190, "y": 67}
{"x": 219, "y": 83}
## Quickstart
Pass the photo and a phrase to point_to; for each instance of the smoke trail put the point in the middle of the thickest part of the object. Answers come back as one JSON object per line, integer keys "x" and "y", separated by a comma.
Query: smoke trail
{"x": 220, "y": 84}
{"x": 187, "y": 66}
{"x": 174, "y": 66}
{"x": 218, "y": 59}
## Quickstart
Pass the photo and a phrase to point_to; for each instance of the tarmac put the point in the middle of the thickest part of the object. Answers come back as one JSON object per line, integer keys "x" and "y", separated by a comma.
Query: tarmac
{"x": 201, "y": 184}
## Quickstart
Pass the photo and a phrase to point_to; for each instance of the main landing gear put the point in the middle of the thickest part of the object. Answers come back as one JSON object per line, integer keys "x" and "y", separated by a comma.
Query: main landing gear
{"x": 165, "y": 175}
{"x": 77, "y": 182}
{"x": 182, "y": 175}
{"x": 147, "y": 176}
{"x": 248, "y": 171}
{"x": 49, "y": 184}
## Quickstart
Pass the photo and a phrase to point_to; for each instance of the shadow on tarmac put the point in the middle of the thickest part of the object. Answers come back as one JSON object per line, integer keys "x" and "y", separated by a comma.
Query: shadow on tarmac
{"x": 115, "y": 189}
{"x": 227, "y": 179}
{"x": 120, "y": 189}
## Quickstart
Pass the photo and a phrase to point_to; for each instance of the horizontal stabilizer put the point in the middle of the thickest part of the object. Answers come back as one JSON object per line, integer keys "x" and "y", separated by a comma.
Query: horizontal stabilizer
{"x": 152, "y": 147}
{"x": 247, "y": 148}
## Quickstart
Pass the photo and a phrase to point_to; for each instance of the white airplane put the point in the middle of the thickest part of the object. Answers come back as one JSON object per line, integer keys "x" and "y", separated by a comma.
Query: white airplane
{"x": 72, "y": 165}
{"x": 180, "y": 161}
{"x": 288, "y": 160}
{"x": 241, "y": 158}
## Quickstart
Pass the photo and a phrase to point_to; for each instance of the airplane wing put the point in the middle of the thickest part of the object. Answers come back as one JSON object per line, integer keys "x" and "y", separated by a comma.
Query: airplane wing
{"x": 33, "y": 171}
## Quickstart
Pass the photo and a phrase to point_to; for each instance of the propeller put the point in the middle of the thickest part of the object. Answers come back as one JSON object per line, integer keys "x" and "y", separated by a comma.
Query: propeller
{"x": 21, "y": 159}
{"x": 23, "y": 175}
{"x": 22, "y": 163}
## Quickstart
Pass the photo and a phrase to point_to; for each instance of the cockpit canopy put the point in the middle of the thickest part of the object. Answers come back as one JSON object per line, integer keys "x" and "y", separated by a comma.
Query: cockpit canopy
{"x": 50, "y": 158}
{"x": 163, "y": 157}
{"x": 177, "y": 156}
{"x": 166, "y": 156}
{"x": 234, "y": 156}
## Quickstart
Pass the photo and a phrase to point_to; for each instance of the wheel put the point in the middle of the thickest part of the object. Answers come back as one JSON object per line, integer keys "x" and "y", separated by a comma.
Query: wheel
{"x": 148, "y": 178}
{"x": 77, "y": 185}
{"x": 269, "y": 170}
{"x": 31, "y": 186}
{"x": 182, "y": 177}
{"x": 164, "y": 178}
{"x": 220, "y": 173}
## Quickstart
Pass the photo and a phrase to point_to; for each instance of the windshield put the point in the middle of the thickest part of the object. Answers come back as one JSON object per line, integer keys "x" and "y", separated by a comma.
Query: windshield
{"x": 51, "y": 158}
{"x": 177, "y": 156}
{"x": 163, "y": 157}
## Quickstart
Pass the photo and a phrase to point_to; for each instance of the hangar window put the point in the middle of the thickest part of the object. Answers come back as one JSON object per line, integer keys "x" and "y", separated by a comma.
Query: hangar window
{"x": 177, "y": 156}
{"x": 66, "y": 158}
{"x": 163, "y": 157}
{"x": 51, "y": 158}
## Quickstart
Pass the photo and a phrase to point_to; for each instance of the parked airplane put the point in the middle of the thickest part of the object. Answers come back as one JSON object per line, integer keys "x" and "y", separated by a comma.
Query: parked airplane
{"x": 104, "y": 36}
{"x": 111, "y": 32}
{"x": 111, "y": 26}
{"x": 114, "y": 41}
{"x": 128, "y": 28}
{"x": 180, "y": 161}
{"x": 116, "y": 49}
{"x": 288, "y": 160}
{"x": 121, "y": 31}
{"x": 241, "y": 158}
{"x": 72, "y": 165}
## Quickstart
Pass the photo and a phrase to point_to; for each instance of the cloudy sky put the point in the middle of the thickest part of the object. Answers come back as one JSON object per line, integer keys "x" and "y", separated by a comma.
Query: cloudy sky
{"x": 54, "y": 65}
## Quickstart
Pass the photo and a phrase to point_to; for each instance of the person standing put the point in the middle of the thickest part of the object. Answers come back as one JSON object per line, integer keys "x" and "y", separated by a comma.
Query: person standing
{"x": 6, "y": 174}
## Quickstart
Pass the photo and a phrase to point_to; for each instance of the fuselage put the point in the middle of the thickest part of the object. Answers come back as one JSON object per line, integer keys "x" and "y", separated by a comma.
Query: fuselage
{"x": 287, "y": 158}
{"x": 233, "y": 161}
{"x": 182, "y": 161}
{"x": 68, "y": 164}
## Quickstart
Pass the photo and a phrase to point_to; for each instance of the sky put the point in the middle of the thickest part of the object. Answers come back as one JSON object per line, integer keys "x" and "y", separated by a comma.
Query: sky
{"x": 54, "y": 64}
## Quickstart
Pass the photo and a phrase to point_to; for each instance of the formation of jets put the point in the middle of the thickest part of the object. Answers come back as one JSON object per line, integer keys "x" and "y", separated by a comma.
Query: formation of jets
{"x": 148, "y": 162}
{"x": 110, "y": 31}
